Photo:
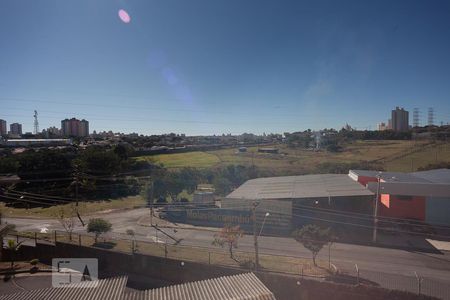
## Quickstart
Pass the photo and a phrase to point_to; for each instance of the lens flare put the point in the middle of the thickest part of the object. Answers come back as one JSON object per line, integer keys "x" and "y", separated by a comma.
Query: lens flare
{"x": 124, "y": 16}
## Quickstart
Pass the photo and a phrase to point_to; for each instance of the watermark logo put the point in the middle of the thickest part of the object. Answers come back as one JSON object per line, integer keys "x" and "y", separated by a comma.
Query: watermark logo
{"x": 75, "y": 272}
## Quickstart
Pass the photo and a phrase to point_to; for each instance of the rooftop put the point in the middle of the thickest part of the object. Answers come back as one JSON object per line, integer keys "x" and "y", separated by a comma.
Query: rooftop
{"x": 432, "y": 183}
{"x": 295, "y": 187}
{"x": 243, "y": 286}
{"x": 236, "y": 287}
{"x": 431, "y": 176}
{"x": 389, "y": 176}
{"x": 111, "y": 288}
{"x": 436, "y": 176}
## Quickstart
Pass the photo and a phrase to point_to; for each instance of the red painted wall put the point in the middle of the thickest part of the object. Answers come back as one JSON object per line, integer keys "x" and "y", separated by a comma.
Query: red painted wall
{"x": 366, "y": 179}
{"x": 392, "y": 206}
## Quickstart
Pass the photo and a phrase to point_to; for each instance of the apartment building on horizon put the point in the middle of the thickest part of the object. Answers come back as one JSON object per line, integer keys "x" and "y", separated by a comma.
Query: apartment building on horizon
{"x": 75, "y": 127}
{"x": 2, "y": 127}
{"x": 400, "y": 119}
{"x": 15, "y": 129}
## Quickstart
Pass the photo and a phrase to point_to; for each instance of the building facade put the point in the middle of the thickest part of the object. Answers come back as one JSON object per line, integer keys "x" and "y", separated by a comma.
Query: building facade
{"x": 83, "y": 128}
{"x": 2, "y": 127}
{"x": 422, "y": 196}
{"x": 294, "y": 201}
{"x": 400, "y": 119}
{"x": 75, "y": 127}
{"x": 382, "y": 126}
{"x": 15, "y": 129}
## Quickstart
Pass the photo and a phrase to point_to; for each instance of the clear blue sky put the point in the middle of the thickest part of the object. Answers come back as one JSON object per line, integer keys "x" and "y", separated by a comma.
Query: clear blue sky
{"x": 230, "y": 66}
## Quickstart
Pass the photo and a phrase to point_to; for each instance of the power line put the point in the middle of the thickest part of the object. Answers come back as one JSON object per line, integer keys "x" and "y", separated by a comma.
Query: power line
{"x": 363, "y": 215}
{"x": 84, "y": 104}
{"x": 151, "y": 119}
{"x": 26, "y": 200}
{"x": 370, "y": 218}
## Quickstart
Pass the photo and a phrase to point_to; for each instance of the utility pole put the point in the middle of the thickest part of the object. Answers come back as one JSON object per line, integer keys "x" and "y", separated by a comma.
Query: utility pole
{"x": 76, "y": 183}
{"x": 77, "y": 174}
{"x": 151, "y": 205}
{"x": 375, "y": 215}
{"x": 255, "y": 237}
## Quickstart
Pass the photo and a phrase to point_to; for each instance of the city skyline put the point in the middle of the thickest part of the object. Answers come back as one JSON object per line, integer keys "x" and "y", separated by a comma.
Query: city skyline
{"x": 201, "y": 68}
{"x": 382, "y": 125}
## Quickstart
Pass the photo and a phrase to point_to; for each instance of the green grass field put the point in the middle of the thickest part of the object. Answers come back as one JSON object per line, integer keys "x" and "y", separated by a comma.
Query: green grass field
{"x": 179, "y": 160}
{"x": 424, "y": 156}
{"x": 393, "y": 155}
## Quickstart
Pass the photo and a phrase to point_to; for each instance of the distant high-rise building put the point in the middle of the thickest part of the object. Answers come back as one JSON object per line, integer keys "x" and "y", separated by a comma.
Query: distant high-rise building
{"x": 83, "y": 128}
{"x": 75, "y": 127}
{"x": 52, "y": 132}
{"x": 382, "y": 126}
{"x": 2, "y": 127}
{"x": 15, "y": 128}
{"x": 400, "y": 119}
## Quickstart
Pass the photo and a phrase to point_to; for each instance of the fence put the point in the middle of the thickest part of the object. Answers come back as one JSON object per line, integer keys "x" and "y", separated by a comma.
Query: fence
{"x": 299, "y": 266}
{"x": 414, "y": 283}
{"x": 209, "y": 255}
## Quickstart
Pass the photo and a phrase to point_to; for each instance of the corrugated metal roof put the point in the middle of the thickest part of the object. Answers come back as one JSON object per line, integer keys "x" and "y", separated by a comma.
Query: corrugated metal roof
{"x": 412, "y": 189}
{"x": 243, "y": 286}
{"x": 436, "y": 176}
{"x": 105, "y": 289}
{"x": 296, "y": 187}
{"x": 391, "y": 176}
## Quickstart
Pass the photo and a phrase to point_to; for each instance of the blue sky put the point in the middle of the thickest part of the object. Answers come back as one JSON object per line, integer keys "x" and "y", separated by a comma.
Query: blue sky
{"x": 212, "y": 67}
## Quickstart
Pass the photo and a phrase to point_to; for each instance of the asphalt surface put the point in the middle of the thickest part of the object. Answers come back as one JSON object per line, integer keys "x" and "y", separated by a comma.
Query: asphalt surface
{"x": 389, "y": 267}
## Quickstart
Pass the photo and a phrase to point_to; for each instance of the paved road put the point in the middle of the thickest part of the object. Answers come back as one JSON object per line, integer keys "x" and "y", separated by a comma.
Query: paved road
{"x": 374, "y": 262}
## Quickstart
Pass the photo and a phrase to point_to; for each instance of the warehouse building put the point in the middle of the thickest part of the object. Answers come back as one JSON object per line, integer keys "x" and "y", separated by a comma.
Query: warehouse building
{"x": 293, "y": 201}
{"x": 422, "y": 196}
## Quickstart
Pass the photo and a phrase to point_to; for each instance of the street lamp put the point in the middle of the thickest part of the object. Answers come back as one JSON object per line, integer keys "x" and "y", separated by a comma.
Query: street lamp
{"x": 264, "y": 221}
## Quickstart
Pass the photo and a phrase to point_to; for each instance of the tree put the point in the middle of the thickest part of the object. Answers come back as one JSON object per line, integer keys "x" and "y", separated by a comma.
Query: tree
{"x": 99, "y": 161}
{"x": 13, "y": 247}
{"x": 190, "y": 178}
{"x": 222, "y": 185}
{"x": 4, "y": 232}
{"x": 123, "y": 151}
{"x": 174, "y": 185}
{"x": 98, "y": 226}
{"x": 66, "y": 217}
{"x": 313, "y": 238}
{"x": 147, "y": 192}
{"x": 229, "y": 237}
